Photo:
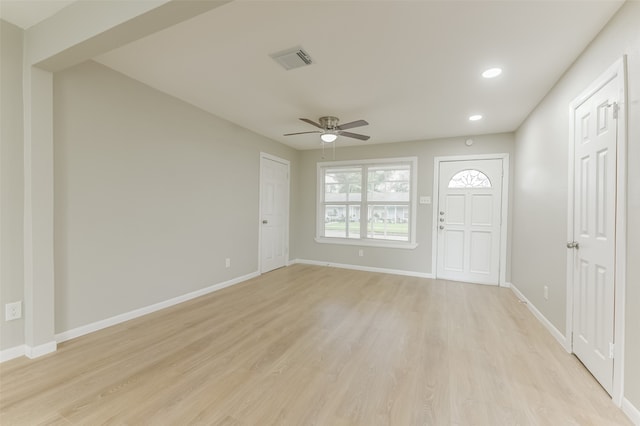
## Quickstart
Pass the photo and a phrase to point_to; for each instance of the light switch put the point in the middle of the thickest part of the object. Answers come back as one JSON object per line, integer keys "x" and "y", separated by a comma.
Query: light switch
{"x": 425, "y": 200}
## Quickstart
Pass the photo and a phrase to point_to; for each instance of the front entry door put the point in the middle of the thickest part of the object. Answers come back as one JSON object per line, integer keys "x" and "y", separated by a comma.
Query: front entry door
{"x": 468, "y": 219}
{"x": 274, "y": 213}
{"x": 594, "y": 227}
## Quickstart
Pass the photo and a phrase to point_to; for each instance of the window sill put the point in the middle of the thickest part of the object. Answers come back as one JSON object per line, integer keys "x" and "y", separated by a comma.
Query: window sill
{"x": 367, "y": 243}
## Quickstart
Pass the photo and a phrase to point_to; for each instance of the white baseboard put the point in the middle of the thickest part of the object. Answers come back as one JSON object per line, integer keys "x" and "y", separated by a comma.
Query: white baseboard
{"x": 631, "y": 411}
{"x": 550, "y": 327}
{"x": 28, "y": 351}
{"x": 12, "y": 353}
{"x": 40, "y": 350}
{"x": 363, "y": 268}
{"x": 108, "y": 322}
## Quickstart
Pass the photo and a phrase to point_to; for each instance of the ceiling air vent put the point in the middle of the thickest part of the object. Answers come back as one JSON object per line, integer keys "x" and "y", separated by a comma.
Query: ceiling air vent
{"x": 292, "y": 58}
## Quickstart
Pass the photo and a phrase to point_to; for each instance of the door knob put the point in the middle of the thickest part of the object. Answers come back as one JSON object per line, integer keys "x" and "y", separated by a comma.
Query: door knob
{"x": 441, "y": 213}
{"x": 442, "y": 219}
{"x": 441, "y": 227}
{"x": 265, "y": 221}
{"x": 573, "y": 245}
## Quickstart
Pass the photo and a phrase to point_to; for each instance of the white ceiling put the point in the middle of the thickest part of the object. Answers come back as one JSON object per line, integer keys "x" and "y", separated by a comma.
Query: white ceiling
{"x": 27, "y": 13}
{"x": 410, "y": 68}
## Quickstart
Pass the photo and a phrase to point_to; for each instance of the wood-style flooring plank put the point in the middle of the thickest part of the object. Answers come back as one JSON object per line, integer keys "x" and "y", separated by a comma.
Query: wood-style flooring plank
{"x": 311, "y": 345}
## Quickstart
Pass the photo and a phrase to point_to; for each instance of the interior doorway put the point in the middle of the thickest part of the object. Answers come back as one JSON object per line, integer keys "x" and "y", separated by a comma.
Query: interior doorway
{"x": 274, "y": 212}
{"x": 596, "y": 228}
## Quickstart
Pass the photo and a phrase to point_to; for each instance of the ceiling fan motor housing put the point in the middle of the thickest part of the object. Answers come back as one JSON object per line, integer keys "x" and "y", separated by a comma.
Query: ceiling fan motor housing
{"x": 329, "y": 123}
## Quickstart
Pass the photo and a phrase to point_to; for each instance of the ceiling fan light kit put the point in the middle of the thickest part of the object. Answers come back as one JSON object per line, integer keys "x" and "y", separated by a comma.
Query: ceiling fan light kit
{"x": 328, "y": 137}
{"x": 331, "y": 129}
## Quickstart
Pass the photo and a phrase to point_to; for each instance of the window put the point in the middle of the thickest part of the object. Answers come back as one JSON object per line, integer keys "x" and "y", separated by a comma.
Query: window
{"x": 367, "y": 202}
{"x": 470, "y": 179}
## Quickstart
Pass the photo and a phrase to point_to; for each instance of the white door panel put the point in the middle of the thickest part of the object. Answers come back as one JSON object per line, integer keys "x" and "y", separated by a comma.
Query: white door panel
{"x": 274, "y": 208}
{"x": 453, "y": 250}
{"x": 481, "y": 210}
{"x": 469, "y": 220}
{"x": 455, "y": 208}
{"x": 480, "y": 262}
{"x": 595, "y": 144}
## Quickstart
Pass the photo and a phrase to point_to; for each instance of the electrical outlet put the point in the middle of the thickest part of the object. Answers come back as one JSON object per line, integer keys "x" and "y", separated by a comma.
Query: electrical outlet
{"x": 13, "y": 311}
{"x": 360, "y": 252}
{"x": 227, "y": 263}
{"x": 546, "y": 292}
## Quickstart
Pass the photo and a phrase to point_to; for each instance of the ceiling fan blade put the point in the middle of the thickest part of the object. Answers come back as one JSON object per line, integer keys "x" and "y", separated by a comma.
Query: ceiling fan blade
{"x": 351, "y": 125}
{"x": 301, "y": 133}
{"x": 355, "y": 136}
{"x": 313, "y": 123}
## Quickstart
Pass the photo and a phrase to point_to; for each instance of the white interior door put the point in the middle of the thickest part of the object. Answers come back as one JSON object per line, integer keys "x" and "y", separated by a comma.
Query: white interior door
{"x": 468, "y": 219}
{"x": 594, "y": 228}
{"x": 274, "y": 213}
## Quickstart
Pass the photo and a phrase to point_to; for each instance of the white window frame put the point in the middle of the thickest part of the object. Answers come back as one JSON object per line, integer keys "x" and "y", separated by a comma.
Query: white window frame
{"x": 413, "y": 179}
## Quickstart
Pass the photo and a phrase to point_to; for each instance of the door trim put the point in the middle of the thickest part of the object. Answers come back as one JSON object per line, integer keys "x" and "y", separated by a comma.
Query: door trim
{"x": 265, "y": 156}
{"x": 617, "y": 70}
{"x": 504, "y": 213}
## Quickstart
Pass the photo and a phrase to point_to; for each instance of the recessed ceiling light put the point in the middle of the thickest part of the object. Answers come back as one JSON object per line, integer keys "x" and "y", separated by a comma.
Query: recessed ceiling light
{"x": 475, "y": 117}
{"x": 492, "y": 72}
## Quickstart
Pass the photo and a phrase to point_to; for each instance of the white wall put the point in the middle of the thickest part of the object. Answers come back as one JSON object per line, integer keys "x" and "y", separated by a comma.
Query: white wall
{"x": 11, "y": 181}
{"x": 417, "y": 260}
{"x": 151, "y": 196}
{"x": 540, "y": 205}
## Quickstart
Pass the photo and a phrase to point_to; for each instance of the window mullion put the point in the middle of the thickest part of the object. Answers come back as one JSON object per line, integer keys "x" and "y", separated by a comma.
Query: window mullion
{"x": 320, "y": 215}
{"x": 364, "y": 212}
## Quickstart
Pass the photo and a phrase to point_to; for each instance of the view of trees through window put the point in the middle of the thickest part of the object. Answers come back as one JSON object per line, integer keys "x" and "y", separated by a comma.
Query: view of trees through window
{"x": 384, "y": 210}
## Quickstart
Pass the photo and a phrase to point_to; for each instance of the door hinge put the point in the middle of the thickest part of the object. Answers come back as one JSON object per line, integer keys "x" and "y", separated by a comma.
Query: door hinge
{"x": 611, "y": 350}
{"x": 616, "y": 108}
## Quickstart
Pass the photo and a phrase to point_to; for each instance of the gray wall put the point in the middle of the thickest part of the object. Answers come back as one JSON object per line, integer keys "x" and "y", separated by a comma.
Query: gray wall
{"x": 416, "y": 260}
{"x": 540, "y": 208}
{"x": 11, "y": 181}
{"x": 151, "y": 196}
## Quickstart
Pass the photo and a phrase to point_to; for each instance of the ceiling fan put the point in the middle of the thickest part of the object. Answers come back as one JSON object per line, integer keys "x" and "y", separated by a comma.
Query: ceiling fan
{"x": 331, "y": 130}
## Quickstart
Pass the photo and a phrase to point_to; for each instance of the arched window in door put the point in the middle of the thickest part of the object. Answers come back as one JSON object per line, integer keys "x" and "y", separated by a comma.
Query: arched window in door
{"x": 469, "y": 179}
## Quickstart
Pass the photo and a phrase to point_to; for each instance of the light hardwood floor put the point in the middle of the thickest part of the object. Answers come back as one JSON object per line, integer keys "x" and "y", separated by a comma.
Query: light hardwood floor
{"x": 309, "y": 345}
